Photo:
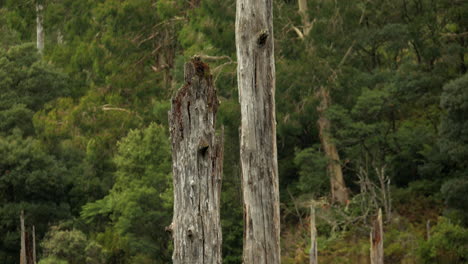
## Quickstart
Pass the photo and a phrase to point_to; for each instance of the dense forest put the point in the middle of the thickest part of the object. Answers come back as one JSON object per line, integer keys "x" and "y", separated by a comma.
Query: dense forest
{"x": 371, "y": 112}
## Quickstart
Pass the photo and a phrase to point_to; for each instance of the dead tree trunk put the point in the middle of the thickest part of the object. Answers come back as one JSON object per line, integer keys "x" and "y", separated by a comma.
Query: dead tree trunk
{"x": 23, "y": 240}
{"x": 34, "y": 245}
{"x": 376, "y": 241}
{"x": 39, "y": 27}
{"x": 313, "y": 237}
{"x": 258, "y": 154}
{"x": 303, "y": 11}
{"x": 197, "y": 157}
{"x": 28, "y": 246}
{"x": 338, "y": 188}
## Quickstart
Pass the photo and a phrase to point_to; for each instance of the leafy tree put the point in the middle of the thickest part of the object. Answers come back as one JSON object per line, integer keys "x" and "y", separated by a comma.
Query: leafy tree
{"x": 26, "y": 85}
{"x": 138, "y": 207}
{"x": 447, "y": 244}
{"x": 71, "y": 247}
{"x": 33, "y": 181}
{"x": 454, "y": 125}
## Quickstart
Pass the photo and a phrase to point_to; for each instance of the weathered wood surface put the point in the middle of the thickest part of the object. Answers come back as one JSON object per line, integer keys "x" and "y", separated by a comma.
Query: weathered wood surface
{"x": 197, "y": 158}
{"x": 258, "y": 154}
{"x": 376, "y": 241}
{"x": 313, "y": 256}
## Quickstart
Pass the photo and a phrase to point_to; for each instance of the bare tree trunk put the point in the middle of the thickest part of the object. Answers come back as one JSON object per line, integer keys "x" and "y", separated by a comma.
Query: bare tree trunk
{"x": 303, "y": 11}
{"x": 376, "y": 241}
{"x": 23, "y": 259}
{"x": 34, "y": 244}
{"x": 197, "y": 156}
{"x": 313, "y": 237}
{"x": 338, "y": 187}
{"x": 258, "y": 154}
{"x": 40, "y": 27}
{"x": 385, "y": 190}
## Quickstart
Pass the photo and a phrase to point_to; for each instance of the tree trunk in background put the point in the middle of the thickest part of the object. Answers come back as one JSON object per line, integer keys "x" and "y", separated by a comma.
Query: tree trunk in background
{"x": 303, "y": 11}
{"x": 40, "y": 27}
{"x": 338, "y": 187}
{"x": 34, "y": 244}
{"x": 23, "y": 258}
{"x": 197, "y": 158}
{"x": 28, "y": 244}
{"x": 258, "y": 154}
{"x": 376, "y": 241}
{"x": 313, "y": 237}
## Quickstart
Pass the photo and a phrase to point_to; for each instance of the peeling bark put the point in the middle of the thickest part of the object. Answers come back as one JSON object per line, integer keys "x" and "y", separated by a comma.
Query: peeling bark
{"x": 197, "y": 158}
{"x": 258, "y": 153}
{"x": 338, "y": 188}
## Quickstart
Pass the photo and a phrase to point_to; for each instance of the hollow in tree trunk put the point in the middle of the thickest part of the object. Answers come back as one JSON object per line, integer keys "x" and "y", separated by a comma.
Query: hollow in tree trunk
{"x": 197, "y": 156}
{"x": 258, "y": 154}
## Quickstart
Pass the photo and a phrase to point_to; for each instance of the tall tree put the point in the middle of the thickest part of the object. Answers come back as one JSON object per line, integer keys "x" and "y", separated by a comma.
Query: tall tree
{"x": 39, "y": 26}
{"x": 258, "y": 153}
{"x": 338, "y": 188}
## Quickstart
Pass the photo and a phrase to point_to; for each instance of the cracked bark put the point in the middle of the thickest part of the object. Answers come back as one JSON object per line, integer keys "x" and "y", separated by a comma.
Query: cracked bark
{"x": 197, "y": 157}
{"x": 258, "y": 154}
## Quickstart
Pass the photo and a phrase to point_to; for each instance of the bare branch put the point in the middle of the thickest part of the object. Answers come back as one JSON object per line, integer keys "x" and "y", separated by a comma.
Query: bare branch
{"x": 108, "y": 107}
{"x": 298, "y": 32}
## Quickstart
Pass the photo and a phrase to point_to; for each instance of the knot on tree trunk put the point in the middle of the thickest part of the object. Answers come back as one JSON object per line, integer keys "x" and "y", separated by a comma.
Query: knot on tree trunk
{"x": 197, "y": 156}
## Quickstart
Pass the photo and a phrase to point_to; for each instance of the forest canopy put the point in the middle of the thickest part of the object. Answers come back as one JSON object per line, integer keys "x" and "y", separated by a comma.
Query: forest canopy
{"x": 371, "y": 112}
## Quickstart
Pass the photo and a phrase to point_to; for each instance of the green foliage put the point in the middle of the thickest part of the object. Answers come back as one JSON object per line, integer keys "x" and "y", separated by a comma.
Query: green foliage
{"x": 454, "y": 192}
{"x": 454, "y": 124}
{"x": 138, "y": 207}
{"x": 448, "y": 244}
{"x": 395, "y": 71}
{"x": 9, "y": 36}
{"x": 33, "y": 181}
{"x": 26, "y": 85}
{"x": 71, "y": 247}
{"x": 313, "y": 172}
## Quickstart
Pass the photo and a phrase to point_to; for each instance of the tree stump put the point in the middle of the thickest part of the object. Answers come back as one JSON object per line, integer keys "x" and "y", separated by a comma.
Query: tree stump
{"x": 376, "y": 241}
{"x": 197, "y": 159}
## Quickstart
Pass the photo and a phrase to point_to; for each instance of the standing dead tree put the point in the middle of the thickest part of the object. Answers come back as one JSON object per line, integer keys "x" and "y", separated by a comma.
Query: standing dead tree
{"x": 313, "y": 256}
{"x": 28, "y": 243}
{"x": 197, "y": 158}
{"x": 258, "y": 153}
{"x": 39, "y": 27}
{"x": 376, "y": 241}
